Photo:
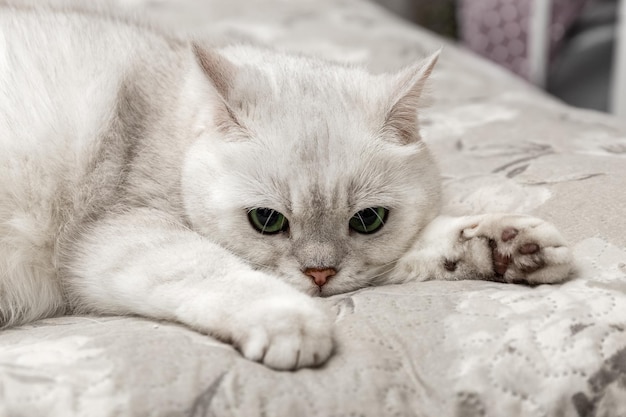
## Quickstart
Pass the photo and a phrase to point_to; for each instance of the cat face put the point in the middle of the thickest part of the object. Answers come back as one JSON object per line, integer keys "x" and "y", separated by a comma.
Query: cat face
{"x": 312, "y": 171}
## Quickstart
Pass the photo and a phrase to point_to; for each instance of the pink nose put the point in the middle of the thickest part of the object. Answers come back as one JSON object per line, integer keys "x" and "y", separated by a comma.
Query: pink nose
{"x": 320, "y": 275}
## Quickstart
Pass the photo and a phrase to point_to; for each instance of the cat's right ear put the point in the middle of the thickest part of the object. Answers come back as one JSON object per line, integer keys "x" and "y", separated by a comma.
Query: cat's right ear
{"x": 401, "y": 119}
{"x": 219, "y": 72}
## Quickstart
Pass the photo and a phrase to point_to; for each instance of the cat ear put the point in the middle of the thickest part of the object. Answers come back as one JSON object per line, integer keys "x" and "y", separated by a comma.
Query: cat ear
{"x": 220, "y": 73}
{"x": 401, "y": 118}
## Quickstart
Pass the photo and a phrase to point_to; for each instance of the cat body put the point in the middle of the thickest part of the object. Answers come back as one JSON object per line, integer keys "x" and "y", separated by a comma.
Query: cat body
{"x": 72, "y": 107}
{"x": 144, "y": 174}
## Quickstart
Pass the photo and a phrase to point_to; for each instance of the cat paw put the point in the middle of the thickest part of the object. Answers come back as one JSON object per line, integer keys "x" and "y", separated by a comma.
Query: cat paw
{"x": 286, "y": 334}
{"x": 521, "y": 249}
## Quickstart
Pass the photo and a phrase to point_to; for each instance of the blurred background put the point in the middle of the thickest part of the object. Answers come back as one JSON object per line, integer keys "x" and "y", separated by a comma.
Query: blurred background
{"x": 567, "y": 47}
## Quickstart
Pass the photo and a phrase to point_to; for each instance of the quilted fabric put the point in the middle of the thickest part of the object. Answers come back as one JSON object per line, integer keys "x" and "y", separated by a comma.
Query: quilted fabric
{"x": 433, "y": 349}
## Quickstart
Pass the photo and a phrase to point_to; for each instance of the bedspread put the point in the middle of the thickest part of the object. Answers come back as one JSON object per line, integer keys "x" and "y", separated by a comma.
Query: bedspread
{"x": 433, "y": 349}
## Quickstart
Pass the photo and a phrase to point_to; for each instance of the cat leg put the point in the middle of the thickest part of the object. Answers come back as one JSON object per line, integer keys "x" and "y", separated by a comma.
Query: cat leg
{"x": 143, "y": 263}
{"x": 499, "y": 247}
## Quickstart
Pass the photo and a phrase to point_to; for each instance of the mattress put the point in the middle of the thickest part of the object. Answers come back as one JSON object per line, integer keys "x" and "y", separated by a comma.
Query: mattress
{"x": 436, "y": 348}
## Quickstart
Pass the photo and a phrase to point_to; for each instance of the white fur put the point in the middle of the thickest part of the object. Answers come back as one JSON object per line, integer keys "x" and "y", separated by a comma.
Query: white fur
{"x": 129, "y": 161}
{"x": 53, "y": 101}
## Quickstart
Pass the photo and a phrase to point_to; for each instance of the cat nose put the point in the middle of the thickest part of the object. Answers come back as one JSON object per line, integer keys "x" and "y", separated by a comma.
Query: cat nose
{"x": 320, "y": 275}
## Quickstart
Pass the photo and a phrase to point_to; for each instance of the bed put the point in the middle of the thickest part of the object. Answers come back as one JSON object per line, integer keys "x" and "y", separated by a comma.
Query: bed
{"x": 436, "y": 349}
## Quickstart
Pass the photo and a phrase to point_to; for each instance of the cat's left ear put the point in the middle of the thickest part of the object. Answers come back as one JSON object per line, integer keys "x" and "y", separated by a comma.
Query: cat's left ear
{"x": 401, "y": 119}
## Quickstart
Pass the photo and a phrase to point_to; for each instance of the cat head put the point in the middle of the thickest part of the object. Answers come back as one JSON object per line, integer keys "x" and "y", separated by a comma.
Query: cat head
{"x": 313, "y": 171}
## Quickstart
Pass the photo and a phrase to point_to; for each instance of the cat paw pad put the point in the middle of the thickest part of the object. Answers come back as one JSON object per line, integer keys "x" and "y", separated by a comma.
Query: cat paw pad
{"x": 524, "y": 249}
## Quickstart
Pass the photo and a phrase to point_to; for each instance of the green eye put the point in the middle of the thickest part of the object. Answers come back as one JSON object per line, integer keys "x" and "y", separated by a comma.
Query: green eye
{"x": 369, "y": 220}
{"x": 267, "y": 221}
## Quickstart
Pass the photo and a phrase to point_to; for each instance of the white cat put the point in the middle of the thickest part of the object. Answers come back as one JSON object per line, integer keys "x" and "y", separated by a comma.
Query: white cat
{"x": 143, "y": 174}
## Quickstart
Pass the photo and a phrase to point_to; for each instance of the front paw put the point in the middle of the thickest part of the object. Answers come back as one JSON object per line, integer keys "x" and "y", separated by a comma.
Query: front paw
{"x": 523, "y": 249}
{"x": 285, "y": 333}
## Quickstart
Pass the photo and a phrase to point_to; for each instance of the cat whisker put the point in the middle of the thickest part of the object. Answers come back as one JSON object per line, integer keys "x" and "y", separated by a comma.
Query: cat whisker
{"x": 259, "y": 265}
{"x": 377, "y": 215}
{"x": 362, "y": 222}
{"x": 267, "y": 221}
{"x": 385, "y": 271}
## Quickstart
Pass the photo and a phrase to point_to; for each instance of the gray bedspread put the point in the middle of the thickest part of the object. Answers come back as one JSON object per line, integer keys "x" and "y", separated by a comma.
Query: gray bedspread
{"x": 431, "y": 349}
